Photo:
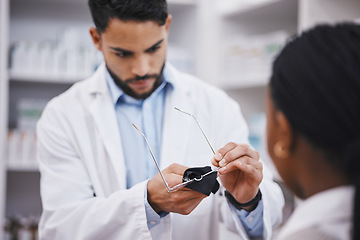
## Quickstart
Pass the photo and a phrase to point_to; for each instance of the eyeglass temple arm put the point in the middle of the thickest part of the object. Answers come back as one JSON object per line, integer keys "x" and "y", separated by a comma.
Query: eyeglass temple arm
{"x": 153, "y": 157}
{"x": 212, "y": 149}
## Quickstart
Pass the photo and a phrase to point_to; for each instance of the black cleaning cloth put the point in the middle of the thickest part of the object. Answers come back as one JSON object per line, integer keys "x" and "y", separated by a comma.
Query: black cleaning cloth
{"x": 207, "y": 185}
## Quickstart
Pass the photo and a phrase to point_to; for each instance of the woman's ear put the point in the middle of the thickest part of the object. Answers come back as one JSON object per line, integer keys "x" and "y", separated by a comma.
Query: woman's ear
{"x": 280, "y": 136}
{"x": 95, "y": 37}
{"x": 286, "y": 138}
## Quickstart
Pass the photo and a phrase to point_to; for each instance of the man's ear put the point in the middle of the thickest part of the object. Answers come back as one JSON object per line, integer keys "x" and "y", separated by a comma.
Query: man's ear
{"x": 168, "y": 23}
{"x": 95, "y": 37}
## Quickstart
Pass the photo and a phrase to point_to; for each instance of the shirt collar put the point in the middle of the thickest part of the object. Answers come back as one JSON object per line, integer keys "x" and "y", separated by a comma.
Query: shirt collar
{"x": 118, "y": 94}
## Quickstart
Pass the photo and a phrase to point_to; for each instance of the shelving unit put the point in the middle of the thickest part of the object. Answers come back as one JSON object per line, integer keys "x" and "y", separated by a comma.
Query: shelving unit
{"x": 181, "y": 2}
{"x": 327, "y": 11}
{"x": 253, "y": 21}
{"x": 4, "y": 23}
{"x": 248, "y": 34}
{"x": 200, "y": 32}
{"x": 269, "y": 9}
{"x": 44, "y": 79}
{"x": 45, "y": 20}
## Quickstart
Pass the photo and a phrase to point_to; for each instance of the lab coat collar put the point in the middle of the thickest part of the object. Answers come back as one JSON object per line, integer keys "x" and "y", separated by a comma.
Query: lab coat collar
{"x": 98, "y": 86}
{"x": 176, "y": 124}
{"x": 103, "y": 113}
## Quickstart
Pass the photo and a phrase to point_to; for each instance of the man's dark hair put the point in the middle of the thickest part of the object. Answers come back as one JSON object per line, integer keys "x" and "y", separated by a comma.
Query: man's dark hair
{"x": 137, "y": 10}
{"x": 316, "y": 84}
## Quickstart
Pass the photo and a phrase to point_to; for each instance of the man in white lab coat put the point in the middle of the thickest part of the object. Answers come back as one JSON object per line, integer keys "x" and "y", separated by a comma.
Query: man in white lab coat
{"x": 98, "y": 179}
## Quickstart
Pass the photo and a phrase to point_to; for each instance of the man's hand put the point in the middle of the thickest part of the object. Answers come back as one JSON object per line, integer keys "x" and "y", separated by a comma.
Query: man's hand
{"x": 183, "y": 201}
{"x": 240, "y": 171}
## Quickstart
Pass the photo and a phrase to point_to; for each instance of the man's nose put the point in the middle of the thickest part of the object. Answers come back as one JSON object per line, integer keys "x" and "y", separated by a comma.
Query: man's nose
{"x": 141, "y": 66}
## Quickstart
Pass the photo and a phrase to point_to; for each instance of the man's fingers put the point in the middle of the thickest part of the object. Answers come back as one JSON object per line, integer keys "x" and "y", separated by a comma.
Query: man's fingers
{"x": 175, "y": 168}
{"x": 173, "y": 179}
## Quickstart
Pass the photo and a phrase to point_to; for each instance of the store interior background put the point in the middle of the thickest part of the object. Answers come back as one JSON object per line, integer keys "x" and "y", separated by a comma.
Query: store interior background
{"x": 45, "y": 47}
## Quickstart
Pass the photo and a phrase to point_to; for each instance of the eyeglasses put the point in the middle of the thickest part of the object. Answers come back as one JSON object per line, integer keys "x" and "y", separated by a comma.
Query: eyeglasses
{"x": 179, "y": 186}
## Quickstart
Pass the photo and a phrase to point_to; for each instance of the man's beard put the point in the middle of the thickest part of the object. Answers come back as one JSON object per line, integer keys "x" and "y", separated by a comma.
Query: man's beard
{"x": 124, "y": 84}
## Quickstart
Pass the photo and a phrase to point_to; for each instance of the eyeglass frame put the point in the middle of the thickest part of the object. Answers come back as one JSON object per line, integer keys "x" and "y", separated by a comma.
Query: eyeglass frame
{"x": 183, "y": 184}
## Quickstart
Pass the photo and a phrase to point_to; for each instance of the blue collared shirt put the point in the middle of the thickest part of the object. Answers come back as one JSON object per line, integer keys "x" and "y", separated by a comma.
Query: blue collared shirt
{"x": 148, "y": 114}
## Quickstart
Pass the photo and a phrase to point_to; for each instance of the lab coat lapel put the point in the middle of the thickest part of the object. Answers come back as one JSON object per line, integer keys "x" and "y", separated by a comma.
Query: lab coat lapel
{"x": 176, "y": 124}
{"x": 103, "y": 113}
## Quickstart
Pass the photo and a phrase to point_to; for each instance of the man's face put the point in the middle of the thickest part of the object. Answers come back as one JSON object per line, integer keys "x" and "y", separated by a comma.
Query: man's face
{"x": 134, "y": 53}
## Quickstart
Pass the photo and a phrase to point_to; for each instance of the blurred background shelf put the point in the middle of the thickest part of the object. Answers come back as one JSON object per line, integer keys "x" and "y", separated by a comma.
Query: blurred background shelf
{"x": 228, "y": 43}
{"x": 16, "y": 77}
{"x": 36, "y": 38}
{"x": 182, "y": 2}
{"x": 259, "y": 9}
{"x": 237, "y": 83}
{"x": 22, "y": 167}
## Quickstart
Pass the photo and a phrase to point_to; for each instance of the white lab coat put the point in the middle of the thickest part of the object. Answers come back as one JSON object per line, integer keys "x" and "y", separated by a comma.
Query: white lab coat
{"x": 326, "y": 215}
{"x": 80, "y": 154}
